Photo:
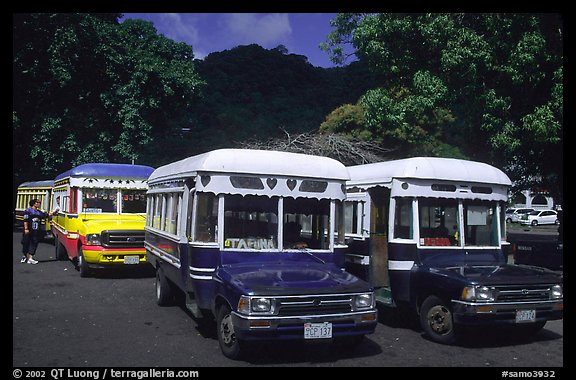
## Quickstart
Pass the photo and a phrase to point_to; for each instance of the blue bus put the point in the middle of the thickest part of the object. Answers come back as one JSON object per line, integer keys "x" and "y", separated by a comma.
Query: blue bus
{"x": 255, "y": 239}
{"x": 428, "y": 234}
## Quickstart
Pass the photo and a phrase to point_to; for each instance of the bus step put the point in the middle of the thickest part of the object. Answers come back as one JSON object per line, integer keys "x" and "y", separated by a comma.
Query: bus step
{"x": 193, "y": 306}
{"x": 384, "y": 296}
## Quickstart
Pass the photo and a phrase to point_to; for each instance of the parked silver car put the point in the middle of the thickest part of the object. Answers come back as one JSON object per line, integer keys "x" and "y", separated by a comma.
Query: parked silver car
{"x": 540, "y": 217}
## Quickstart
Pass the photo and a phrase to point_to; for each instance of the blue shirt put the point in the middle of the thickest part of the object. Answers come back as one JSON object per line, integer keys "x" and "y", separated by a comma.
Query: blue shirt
{"x": 34, "y": 218}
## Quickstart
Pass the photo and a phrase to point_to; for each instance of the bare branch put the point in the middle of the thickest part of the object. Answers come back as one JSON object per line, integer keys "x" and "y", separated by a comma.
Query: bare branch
{"x": 347, "y": 150}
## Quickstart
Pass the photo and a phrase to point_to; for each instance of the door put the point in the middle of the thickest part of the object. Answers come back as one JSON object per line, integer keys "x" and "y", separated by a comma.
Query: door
{"x": 379, "y": 236}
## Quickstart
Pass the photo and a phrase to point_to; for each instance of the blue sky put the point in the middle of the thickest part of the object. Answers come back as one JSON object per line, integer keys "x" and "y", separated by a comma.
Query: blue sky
{"x": 301, "y": 33}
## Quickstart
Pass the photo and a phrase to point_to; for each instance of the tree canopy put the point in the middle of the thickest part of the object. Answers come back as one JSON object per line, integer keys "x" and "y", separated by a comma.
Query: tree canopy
{"x": 89, "y": 89}
{"x": 487, "y": 87}
{"x": 484, "y": 86}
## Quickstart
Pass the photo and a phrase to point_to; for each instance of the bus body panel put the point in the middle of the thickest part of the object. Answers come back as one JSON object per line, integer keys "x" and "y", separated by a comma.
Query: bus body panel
{"x": 402, "y": 258}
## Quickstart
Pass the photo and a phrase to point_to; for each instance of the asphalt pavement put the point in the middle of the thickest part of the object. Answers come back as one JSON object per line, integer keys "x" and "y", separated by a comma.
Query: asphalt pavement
{"x": 111, "y": 320}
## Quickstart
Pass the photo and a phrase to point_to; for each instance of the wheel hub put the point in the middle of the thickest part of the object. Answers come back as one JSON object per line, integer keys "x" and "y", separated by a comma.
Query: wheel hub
{"x": 227, "y": 329}
{"x": 439, "y": 319}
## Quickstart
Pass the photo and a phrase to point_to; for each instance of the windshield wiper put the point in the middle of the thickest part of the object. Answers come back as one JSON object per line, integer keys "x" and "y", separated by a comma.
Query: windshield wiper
{"x": 308, "y": 251}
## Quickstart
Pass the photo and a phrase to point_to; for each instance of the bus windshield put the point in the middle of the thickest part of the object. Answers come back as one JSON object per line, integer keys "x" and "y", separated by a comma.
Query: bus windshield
{"x": 251, "y": 222}
{"x": 95, "y": 200}
{"x": 438, "y": 221}
{"x": 481, "y": 223}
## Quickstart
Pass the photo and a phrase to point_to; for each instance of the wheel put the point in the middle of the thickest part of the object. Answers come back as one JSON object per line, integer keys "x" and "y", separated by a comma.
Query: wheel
{"x": 534, "y": 222}
{"x": 82, "y": 264}
{"x": 436, "y": 320}
{"x": 229, "y": 344}
{"x": 164, "y": 292}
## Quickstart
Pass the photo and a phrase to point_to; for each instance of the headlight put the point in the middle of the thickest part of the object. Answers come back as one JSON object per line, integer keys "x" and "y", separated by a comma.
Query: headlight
{"x": 363, "y": 301}
{"x": 478, "y": 293}
{"x": 261, "y": 305}
{"x": 254, "y": 305}
{"x": 556, "y": 292}
{"x": 93, "y": 239}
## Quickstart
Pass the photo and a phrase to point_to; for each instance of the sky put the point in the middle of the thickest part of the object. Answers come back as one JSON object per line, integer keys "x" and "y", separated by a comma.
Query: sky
{"x": 300, "y": 33}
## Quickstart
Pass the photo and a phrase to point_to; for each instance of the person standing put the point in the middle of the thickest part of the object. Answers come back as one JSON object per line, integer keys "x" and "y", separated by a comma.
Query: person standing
{"x": 33, "y": 217}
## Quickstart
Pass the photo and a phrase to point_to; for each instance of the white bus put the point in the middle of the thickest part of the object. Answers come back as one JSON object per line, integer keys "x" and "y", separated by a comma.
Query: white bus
{"x": 428, "y": 233}
{"x": 256, "y": 239}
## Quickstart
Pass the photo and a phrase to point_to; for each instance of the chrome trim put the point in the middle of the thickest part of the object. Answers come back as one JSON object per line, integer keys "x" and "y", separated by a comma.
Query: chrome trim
{"x": 356, "y": 315}
{"x": 509, "y": 304}
{"x": 171, "y": 259}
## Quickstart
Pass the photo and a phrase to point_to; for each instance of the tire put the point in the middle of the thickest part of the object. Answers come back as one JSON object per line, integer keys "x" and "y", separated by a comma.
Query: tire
{"x": 82, "y": 265}
{"x": 436, "y": 321}
{"x": 534, "y": 223}
{"x": 229, "y": 344}
{"x": 164, "y": 291}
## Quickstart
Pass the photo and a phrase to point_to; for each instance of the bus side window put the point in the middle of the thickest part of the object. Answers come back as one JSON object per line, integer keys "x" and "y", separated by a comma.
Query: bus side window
{"x": 403, "y": 227}
{"x": 351, "y": 212}
{"x": 206, "y": 217}
{"x": 438, "y": 221}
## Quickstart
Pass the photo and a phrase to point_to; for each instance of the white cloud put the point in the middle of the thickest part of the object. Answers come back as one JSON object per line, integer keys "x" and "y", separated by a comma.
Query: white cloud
{"x": 265, "y": 29}
{"x": 177, "y": 29}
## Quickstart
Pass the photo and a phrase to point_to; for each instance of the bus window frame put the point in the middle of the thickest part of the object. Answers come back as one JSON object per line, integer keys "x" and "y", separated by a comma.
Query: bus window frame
{"x": 330, "y": 234}
{"x": 392, "y": 222}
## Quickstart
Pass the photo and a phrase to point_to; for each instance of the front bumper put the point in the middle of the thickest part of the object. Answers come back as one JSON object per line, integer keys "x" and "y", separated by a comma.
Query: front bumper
{"x": 469, "y": 313}
{"x": 274, "y": 327}
{"x": 99, "y": 257}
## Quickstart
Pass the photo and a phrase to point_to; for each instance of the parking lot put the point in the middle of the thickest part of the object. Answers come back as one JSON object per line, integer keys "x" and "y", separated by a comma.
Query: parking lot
{"x": 112, "y": 320}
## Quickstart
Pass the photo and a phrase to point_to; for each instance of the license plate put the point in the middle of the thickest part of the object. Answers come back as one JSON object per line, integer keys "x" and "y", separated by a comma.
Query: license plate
{"x": 317, "y": 330}
{"x": 131, "y": 259}
{"x": 525, "y": 316}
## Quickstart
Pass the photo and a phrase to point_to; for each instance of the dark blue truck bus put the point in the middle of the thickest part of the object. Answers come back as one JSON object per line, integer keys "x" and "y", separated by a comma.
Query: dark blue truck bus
{"x": 428, "y": 233}
{"x": 255, "y": 239}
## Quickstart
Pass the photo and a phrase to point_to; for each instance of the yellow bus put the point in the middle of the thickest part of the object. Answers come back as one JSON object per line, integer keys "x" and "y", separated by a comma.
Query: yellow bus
{"x": 27, "y": 191}
{"x": 102, "y": 215}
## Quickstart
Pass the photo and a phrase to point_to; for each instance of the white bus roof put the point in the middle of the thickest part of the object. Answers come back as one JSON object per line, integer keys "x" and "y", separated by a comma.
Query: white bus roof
{"x": 40, "y": 184}
{"x": 433, "y": 168}
{"x": 257, "y": 162}
{"x": 258, "y": 172}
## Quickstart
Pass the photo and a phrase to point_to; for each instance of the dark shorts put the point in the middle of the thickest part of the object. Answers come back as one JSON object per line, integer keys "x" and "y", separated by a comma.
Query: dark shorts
{"x": 30, "y": 243}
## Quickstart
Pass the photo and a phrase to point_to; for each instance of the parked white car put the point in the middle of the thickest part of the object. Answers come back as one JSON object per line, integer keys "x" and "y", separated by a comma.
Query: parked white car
{"x": 513, "y": 215}
{"x": 540, "y": 217}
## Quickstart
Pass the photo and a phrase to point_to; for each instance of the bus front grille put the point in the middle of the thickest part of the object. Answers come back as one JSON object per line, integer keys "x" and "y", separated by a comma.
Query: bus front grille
{"x": 122, "y": 239}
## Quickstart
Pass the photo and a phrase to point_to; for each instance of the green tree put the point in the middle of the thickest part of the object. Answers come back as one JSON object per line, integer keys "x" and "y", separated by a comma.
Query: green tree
{"x": 488, "y": 84}
{"x": 87, "y": 88}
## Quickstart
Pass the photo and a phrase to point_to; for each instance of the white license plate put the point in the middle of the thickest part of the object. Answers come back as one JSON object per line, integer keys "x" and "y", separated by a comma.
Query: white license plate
{"x": 317, "y": 330}
{"x": 525, "y": 316}
{"x": 131, "y": 260}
